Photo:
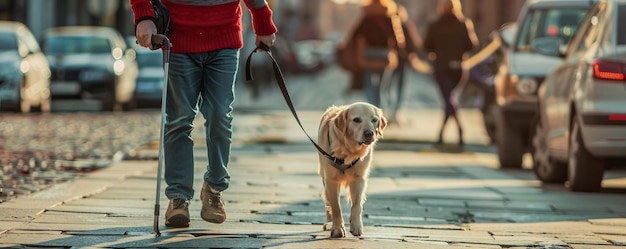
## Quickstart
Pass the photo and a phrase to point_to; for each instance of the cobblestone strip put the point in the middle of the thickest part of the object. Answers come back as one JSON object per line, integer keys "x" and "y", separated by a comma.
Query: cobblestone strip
{"x": 37, "y": 151}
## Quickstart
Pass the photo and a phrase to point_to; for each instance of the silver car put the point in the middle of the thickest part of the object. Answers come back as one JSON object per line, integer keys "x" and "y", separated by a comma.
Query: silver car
{"x": 91, "y": 62}
{"x": 524, "y": 68}
{"x": 581, "y": 123}
{"x": 24, "y": 70}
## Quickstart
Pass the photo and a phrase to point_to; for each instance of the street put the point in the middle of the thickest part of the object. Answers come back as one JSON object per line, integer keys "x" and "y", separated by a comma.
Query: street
{"x": 420, "y": 195}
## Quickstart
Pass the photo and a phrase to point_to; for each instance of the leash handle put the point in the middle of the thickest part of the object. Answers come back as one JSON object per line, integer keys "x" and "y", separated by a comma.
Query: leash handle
{"x": 278, "y": 74}
{"x": 264, "y": 47}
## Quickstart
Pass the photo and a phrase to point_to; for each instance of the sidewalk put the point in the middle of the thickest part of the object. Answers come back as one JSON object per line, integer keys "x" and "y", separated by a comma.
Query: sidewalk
{"x": 274, "y": 200}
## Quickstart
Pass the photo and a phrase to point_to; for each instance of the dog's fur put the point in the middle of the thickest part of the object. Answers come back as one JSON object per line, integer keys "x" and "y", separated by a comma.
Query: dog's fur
{"x": 348, "y": 132}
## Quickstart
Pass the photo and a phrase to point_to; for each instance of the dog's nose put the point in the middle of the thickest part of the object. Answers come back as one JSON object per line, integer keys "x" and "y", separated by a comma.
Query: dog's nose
{"x": 368, "y": 134}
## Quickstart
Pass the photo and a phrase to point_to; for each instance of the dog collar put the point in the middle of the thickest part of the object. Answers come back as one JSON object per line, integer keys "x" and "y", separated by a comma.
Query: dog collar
{"x": 338, "y": 163}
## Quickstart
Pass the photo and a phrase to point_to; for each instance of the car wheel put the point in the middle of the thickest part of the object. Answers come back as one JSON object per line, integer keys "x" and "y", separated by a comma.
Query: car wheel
{"x": 510, "y": 144}
{"x": 130, "y": 105}
{"x": 585, "y": 170}
{"x": 546, "y": 169}
{"x": 109, "y": 103}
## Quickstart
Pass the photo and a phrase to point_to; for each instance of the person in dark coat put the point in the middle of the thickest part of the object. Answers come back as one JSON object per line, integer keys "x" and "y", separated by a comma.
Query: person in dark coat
{"x": 384, "y": 24}
{"x": 448, "y": 40}
{"x": 376, "y": 42}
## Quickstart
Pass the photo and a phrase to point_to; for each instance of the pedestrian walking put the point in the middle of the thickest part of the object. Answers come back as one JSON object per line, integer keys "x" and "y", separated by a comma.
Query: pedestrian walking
{"x": 206, "y": 40}
{"x": 376, "y": 45}
{"x": 409, "y": 44}
{"x": 448, "y": 41}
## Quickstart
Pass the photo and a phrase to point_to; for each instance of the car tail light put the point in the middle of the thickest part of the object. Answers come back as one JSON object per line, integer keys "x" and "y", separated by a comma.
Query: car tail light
{"x": 617, "y": 117}
{"x": 608, "y": 71}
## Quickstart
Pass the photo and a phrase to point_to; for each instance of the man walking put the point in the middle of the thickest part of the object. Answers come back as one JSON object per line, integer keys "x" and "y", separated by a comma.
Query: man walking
{"x": 206, "y": 40}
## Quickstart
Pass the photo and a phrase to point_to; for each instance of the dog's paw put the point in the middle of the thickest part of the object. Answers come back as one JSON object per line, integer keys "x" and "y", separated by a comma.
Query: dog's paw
{"x": 338, "y": 232}
{"x": 356, "y": 229}
{"x": 335, "y": 232}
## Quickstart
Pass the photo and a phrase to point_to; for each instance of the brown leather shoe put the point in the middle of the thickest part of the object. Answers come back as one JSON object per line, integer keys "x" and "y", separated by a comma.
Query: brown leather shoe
{"x": 177, "y": 214}
{"x": 212, "y": 205}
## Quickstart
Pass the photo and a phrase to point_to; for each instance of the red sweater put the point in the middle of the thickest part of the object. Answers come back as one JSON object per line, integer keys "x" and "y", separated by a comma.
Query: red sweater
{"x": 205, "y": 28}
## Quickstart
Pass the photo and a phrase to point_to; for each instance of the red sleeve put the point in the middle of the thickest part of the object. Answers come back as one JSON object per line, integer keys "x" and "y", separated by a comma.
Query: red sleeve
{"x": 142, "y": 10}
{"x": 262, "y": 21}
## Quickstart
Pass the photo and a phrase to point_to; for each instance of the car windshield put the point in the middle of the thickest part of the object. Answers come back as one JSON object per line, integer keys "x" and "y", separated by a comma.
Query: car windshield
{"x": 8, "y": 41}
{"x": 621, "y": 25}
{"x": 77, "y": 45}
{"x": 561, "y": 23}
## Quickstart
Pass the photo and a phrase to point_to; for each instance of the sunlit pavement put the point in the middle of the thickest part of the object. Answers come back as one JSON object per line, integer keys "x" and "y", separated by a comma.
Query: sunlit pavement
{"x": 419, "y": 195}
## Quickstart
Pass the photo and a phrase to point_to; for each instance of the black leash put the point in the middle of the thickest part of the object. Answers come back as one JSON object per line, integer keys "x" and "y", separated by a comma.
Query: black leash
{"x": 338, "y": 163}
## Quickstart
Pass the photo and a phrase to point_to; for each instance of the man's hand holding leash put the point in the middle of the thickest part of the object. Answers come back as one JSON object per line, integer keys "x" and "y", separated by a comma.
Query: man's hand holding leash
{"x": 267, "y": 40}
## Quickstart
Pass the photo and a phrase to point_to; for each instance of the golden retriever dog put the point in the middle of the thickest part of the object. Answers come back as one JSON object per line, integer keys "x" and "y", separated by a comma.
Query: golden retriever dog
{"x": 347, "y": 133}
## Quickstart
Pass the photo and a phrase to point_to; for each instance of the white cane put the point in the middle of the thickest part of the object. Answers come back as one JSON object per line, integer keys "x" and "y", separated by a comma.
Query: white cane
{"x": 158, "y": 41}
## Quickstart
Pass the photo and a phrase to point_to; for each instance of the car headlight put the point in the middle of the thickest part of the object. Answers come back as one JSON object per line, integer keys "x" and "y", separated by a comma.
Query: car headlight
{"x": 526, "y": 86}
{"x": 118, "y": 67}
{"x": 94, "y": 75}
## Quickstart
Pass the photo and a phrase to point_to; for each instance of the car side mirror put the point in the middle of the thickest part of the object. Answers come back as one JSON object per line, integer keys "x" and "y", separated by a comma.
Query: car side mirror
{"x": 550, "y": 46}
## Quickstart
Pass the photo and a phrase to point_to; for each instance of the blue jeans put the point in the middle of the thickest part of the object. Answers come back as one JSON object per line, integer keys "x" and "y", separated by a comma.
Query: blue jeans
{"x": 389, "y": 101}
{"x": 373, "y": 80}
{"x": 203, "y": 81}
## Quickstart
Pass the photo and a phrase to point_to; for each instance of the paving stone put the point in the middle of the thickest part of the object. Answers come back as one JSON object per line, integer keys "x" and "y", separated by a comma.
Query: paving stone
{"x": 574, "y": 246}
{"x": 118, "y": 203}
{"x": 528, "y": 241}
{"x": 453, "y": 191}
{"x": 477, "y": 246}
{"x": 478, "y": 204}
{"x": 53, "y": 218}
{"x": 530, "y": 206}
{"x": 558, "y": 227}
{"x": 441, "y": 202}
{"x": 350, "y": 243}
{"x": 617, "y": 240}
{"x": 581, "y": 207}
{"x": 17, "y": 214}
{"x": 8, "y": 225}
{"x": 106, "y": 210}
{"x": 610, "y": 222}
{"x": 582, "y": 239}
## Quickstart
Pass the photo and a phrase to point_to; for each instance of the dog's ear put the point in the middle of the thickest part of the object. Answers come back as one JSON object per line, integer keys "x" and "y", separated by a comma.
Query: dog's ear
{"x": 382, "y": 122}
{"x": 341, "y": 123}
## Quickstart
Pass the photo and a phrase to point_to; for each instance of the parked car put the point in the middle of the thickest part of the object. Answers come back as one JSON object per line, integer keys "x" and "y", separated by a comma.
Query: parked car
{"x": 90, "y": 62}
{"x": 523, "y": 68}
{"x": 24, "y": 70}
{"x": 581, "y": 118}
{"x": 149, "y": 81}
